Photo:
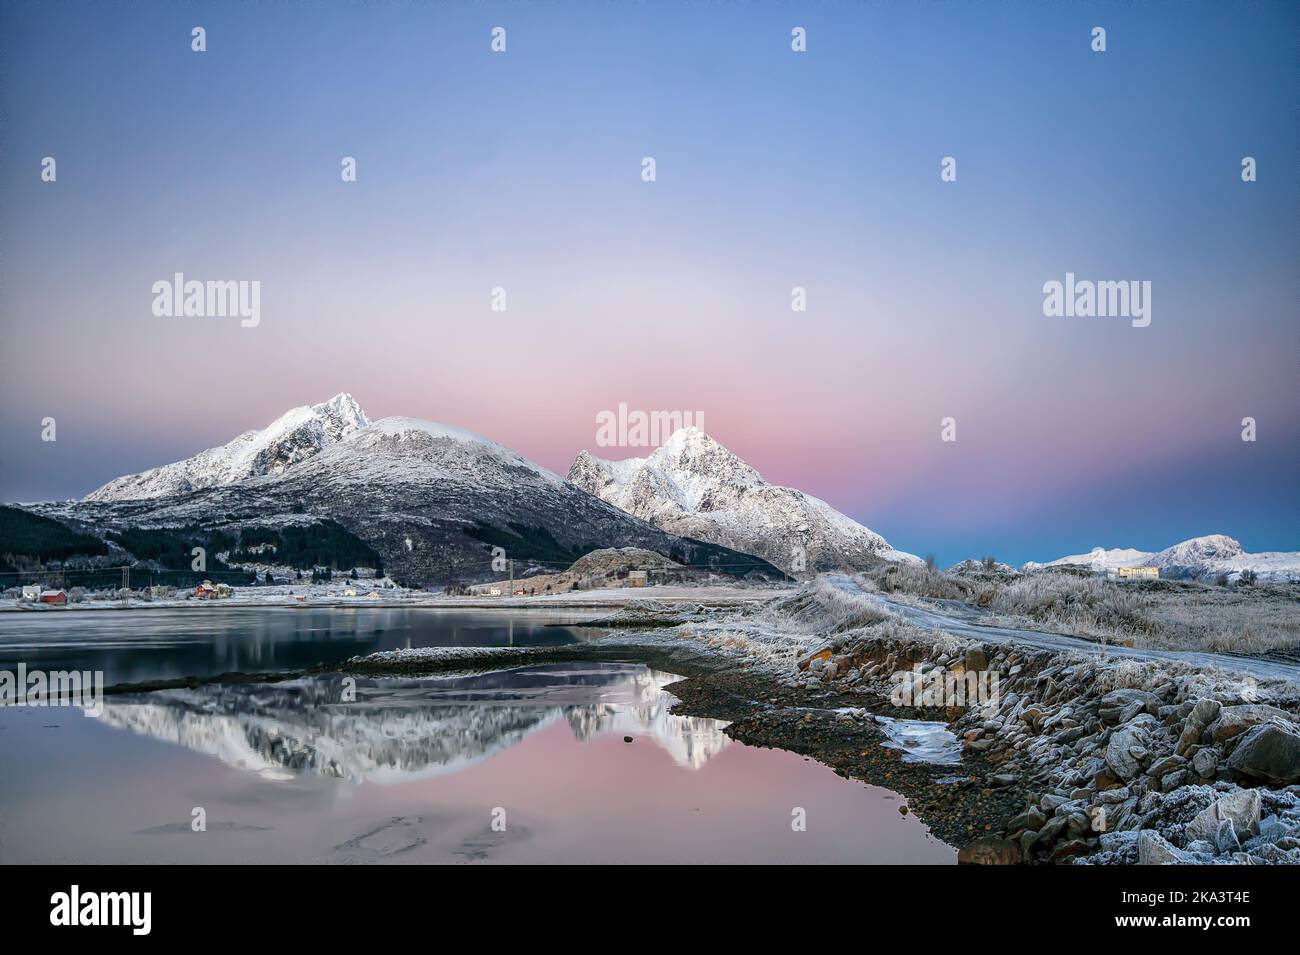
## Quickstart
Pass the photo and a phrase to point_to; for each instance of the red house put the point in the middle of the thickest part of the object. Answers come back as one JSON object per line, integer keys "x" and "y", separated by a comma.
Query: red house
{"x": 53, "y": 597}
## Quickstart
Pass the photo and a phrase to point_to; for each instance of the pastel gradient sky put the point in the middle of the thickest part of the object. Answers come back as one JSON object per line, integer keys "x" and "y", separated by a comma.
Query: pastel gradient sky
{"x": 775, "y": 170}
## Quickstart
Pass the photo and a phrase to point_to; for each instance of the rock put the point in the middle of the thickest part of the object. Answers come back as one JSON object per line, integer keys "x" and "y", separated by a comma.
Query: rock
{"x": 1026, "y": 821}
{"x": 1051, "y": 829}
{"x": 818, "y": 656}
{"x": 990, "y": 851}
{"x": 1027, "y": 841}
{"x": 1225, "y": 840}
{"x": 1206, "y": 763}
{"x": 1205, "y": 712}
{"x": 1165, "y": 765}
{"x": 1068, "y": 850}
{"x": 976, "y": 660}
{"x": 1118, "y": 841}
{"x": 1171, "y": 781}
{"x": 1268, "y": 754}
{"x": 1201, "y": 715}
{"x": 1240, "y": 808}
{"x": 1120, "y": 706}
{"x": 1104, "y": 779}
{"x": 1050, "y": 801}
{"x": 1125, "y": 750}
{"x": 1071, "y": 807}
{"x": 1235, "y": 720}
{"x": 627, "y": 739}
{"x": 1155, "y": 849}
{"x": 1272, "y": 829}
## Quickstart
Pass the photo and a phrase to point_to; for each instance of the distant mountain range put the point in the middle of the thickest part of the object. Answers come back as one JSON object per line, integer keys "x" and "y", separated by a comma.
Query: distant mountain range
{"x": 1202, "y": 558}
{"x": 434, "y": 501}
{"x": 695, "y": 487}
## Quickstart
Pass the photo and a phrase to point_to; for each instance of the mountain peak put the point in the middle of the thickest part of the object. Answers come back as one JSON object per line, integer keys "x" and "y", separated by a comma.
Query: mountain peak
{"x": 694, "y": 486}
{"x": 298, "y": 434}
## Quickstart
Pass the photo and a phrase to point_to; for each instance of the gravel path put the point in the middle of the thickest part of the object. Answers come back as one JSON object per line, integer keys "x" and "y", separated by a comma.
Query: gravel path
{"x": 964, "y": 621}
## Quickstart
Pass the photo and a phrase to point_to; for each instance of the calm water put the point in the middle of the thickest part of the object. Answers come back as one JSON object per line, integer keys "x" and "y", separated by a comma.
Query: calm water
{"x": 132, "y": 646}
{"x": 407, "y": 770}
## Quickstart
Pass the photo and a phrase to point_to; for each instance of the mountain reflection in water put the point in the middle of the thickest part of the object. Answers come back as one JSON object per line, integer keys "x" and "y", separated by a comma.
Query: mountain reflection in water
{"x": 398, "y": 730}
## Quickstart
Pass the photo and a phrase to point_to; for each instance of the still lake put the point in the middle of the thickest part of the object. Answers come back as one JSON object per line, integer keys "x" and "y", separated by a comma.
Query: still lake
{"x": 530, "y": 764}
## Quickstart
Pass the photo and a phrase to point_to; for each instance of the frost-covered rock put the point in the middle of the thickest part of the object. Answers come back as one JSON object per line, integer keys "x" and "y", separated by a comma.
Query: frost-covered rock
{"x": 1267, "y": 754}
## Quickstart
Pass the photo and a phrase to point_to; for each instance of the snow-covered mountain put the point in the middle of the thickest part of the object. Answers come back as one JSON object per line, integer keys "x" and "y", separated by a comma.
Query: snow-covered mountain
{"x": 394, "y": 735}
{"x": 1203, "y": 558}
{"x": 695, "y": 487}
{"x": 293, "y": 437}
{"x": 432, "y": 500}
{"x": 1099, "y": 559}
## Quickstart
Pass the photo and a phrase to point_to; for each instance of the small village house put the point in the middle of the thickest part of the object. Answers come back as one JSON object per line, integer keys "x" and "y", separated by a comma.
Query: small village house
{"x": 31, "y": 591}
{"x": 56, "y": 597}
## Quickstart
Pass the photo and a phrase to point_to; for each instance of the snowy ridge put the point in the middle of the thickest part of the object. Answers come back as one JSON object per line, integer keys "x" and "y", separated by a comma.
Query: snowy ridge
{"x": 295, "y": 436}
{"x": 695, "y": 487}
{"x": 431, "y": 451}
{"x": 1202, "y": 558}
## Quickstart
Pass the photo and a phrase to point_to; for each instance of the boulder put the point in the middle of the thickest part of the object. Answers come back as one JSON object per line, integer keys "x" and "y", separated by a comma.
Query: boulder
{"x": 1051, "y": 829}
{"x": 1071, "y": 849}
{"x": 1235, "y": 720}
{"x": 1126, "y": 749}
{"x": 1239, "y": 808}
{"x": 1120, "y": 706}
{"x": 1225, "y": 840}
{"x": 1202, "y": 714}
{"x": 990, "y": 851}
{"x": 1267, "y": 754}
{"x": 818, "y": 657}
{"x": 1206, "y": 762}
{"x": 1155, "y": 849}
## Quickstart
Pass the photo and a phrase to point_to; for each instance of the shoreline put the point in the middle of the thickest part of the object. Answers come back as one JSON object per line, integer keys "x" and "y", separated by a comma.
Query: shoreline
{"x": 612, "y": 598}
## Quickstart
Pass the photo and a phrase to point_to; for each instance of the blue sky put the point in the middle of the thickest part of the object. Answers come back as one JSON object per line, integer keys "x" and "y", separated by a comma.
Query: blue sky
{"x": 775, "y": 170}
